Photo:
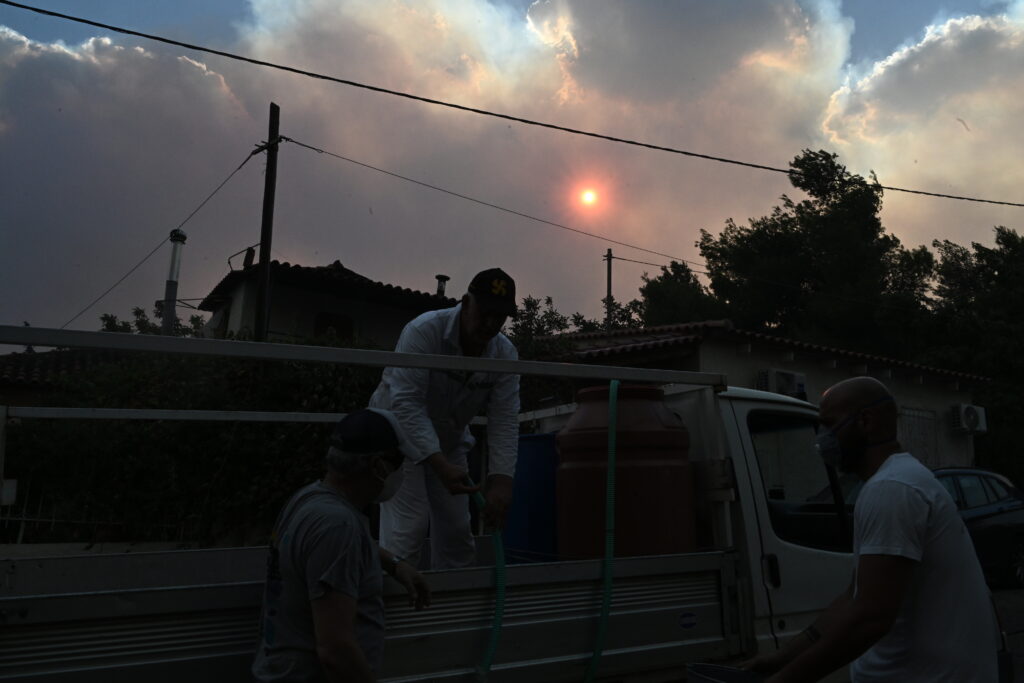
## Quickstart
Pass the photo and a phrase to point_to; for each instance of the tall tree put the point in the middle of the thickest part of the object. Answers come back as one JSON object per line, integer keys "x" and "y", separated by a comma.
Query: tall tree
{"x": 824, "y": 268}
{"x": 979, "y": 322}
{"x": 677, "y": 296}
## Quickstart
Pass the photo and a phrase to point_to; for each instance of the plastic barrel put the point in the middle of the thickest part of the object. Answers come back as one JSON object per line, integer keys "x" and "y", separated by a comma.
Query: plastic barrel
{"x": 655, "y": 511}
{"x": 716, "y": 673}
{"x": 529, "y": 532}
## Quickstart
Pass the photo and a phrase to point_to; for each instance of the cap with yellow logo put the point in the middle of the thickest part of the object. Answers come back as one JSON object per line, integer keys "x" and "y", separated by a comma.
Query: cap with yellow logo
{"x": 494, "y": 289}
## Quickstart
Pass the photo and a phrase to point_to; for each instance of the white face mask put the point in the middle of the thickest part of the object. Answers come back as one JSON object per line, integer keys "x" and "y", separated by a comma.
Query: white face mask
{"x": 390, "y": 486}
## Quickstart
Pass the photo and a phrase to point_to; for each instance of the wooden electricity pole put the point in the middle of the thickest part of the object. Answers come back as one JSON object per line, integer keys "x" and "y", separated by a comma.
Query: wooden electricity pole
{"x": 267, "y": 227}
{"x": 608, "y": 299}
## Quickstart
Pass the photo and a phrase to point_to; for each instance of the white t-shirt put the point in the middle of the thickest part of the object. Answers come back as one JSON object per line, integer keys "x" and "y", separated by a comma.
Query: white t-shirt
{"x": 946, "y": 629}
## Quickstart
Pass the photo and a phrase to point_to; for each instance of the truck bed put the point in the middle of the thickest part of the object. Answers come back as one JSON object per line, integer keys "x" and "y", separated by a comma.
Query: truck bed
{"x": 192, "y": 615}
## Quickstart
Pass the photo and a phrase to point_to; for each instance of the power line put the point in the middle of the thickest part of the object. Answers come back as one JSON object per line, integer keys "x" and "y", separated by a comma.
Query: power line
{"x": 157, "y": 247}
{"x": 461, "y": 107}
{"x": 703, "y": 265}
{"x": 111, "y": 287}
{"x": 481, "y": 201}
{"x": 629, "y": 260}
{"x": 224, "y": 182}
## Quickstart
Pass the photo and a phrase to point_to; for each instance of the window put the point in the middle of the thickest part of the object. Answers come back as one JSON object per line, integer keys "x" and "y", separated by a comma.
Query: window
{"x": 950, "y": 485}
{"x": 974, "y": 491}
{"x": 998, "y": 488}
{"x": 801, "y": 497}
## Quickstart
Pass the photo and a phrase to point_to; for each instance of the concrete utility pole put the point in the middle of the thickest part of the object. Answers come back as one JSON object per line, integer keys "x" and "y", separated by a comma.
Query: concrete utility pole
{"x": 171, "y": 288}
{"x": 608, "y": 299}
{"x": 267, "y": 227}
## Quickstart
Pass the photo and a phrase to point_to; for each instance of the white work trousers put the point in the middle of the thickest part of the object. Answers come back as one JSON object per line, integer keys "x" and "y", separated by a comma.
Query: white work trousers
{"x": 423, "y": 503}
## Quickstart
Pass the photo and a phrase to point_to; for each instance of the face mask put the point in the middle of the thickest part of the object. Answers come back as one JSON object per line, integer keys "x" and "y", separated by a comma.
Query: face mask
{"x": 828, "y": 448}
{"x": 389, "y": 486}
{"x": 833, "y": 453}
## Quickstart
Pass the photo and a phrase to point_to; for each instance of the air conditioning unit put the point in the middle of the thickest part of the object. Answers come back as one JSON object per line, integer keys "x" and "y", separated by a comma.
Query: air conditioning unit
{"x": 967, "y": 419}
{"x": 783, "y": 382}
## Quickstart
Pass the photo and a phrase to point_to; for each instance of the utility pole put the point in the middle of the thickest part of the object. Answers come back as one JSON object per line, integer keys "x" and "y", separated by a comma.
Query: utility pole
{"x": 267, "y": 227}
{"x": 608, "y": 299}
{"x": 171, "y": 288}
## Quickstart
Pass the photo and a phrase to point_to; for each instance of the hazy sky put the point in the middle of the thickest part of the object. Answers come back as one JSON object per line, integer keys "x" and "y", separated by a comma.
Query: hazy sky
{"x": 107, "y": 141}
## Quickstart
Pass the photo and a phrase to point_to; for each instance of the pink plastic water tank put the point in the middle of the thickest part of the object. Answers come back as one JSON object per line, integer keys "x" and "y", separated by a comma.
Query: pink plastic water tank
{"x": 655, "y": 508}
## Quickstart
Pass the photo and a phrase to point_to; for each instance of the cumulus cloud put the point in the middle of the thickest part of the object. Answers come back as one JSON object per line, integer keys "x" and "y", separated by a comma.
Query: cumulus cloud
{"x": 941, "y": 115}
{"x": 105, "y": 146}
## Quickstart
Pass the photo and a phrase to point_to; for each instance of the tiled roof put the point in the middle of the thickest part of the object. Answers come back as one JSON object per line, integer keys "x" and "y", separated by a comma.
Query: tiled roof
{"x": 331, "y": 278}
{"x": 635, "y": 344}
{"x": 46, "y": 368}
{"x": 591, "y": 345}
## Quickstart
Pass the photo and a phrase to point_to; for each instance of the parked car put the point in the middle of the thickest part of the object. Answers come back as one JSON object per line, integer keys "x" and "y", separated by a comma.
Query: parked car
{"x": 993, "y": 509}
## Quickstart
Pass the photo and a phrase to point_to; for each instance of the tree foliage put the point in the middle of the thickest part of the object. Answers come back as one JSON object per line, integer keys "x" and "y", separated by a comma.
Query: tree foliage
{"x": 822, "y": 269}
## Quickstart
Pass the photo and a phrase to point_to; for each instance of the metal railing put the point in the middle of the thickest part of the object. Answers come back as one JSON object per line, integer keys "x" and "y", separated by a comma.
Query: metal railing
{"x": 42, "y": 337}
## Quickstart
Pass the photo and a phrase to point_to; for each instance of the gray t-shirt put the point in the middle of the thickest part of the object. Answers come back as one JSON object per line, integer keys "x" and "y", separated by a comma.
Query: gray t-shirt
{"x": 320, "y": 543}
{"x": 946, "y": 627}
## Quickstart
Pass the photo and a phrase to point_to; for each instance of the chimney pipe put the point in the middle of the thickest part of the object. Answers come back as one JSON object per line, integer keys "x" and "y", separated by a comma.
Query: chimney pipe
{"x": 441, "y": 280}
{"x": 171, "y": 288}
{"x": 249, "y": 258}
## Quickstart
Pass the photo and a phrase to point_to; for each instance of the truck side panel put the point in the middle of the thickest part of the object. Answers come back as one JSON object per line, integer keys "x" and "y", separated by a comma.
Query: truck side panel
{"x": 666, "y": 611}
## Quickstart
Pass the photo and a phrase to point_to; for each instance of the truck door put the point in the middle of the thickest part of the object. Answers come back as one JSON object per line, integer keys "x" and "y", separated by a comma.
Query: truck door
{"x": 802, "y": 523}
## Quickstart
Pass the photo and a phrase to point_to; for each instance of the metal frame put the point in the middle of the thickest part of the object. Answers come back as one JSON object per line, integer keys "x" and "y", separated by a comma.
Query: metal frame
{"x": 41, "y": 337}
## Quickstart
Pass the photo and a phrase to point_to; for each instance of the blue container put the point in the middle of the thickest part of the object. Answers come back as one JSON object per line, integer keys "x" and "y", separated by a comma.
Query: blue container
{"x": 532, "y": 518}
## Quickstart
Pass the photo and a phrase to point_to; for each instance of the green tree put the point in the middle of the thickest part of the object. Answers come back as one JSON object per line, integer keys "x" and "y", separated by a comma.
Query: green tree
{"x": 141, "y": 324}
{"x": 978, "y": 325}
{"x": 677, "y": 296}
{"x": 535, "y": 322}
{"x": 823, "y": 269}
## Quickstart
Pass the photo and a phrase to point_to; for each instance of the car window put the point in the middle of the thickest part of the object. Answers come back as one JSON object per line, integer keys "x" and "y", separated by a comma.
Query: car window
{"x": 975, "y": 494}
{"x": 998, "y": 488}
{"x": 800, "y": 496}
{"x": 950, "y": 485}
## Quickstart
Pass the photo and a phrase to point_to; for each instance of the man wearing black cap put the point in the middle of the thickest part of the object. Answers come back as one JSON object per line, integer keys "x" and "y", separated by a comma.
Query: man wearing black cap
{"x": 435, "y": 407}
{"x": 323, "y": 608}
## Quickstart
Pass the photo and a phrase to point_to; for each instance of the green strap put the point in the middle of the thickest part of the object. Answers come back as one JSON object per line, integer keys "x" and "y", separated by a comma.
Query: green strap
{"x": 483, "y": 669}
{"x": 609, "y": 531}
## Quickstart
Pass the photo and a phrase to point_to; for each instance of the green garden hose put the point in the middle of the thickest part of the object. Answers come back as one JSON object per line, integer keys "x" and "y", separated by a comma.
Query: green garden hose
{"x": 483, "y": 669}
{"x": 609, "y": 531}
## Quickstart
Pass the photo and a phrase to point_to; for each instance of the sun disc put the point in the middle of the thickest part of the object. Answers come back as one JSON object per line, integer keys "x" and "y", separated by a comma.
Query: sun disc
{"x": 588, "y": 196}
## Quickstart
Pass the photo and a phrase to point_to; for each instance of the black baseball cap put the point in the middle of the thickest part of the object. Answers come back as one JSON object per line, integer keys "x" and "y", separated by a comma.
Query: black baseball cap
{"x": 494, "y": 289}
{"x": 371, "y": 430}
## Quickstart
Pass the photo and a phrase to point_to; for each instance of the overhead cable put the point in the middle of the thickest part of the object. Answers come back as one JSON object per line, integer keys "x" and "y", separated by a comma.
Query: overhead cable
{"x": 119, "y": 281}
{"x": 462, "y": 107}
{"x": 157, "y": 247}
{"x": 706, "y": 268}
{"x": 484, "y": 203}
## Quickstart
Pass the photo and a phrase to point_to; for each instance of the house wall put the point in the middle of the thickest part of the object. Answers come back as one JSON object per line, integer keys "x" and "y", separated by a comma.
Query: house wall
{"x": 924, "y": 400}
{"x": 293, "y": 314}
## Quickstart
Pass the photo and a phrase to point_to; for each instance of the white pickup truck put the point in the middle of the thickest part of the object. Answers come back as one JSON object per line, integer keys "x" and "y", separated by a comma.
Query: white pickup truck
{"x": 775, "y": 552}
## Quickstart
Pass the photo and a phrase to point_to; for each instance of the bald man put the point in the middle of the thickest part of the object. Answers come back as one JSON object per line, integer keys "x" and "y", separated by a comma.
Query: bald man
{"x": 917, "y": 608}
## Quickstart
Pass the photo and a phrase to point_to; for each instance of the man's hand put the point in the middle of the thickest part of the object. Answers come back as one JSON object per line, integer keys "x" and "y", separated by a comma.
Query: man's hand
{"x": 499, "y": 497}
{"x": 452, "y": 477}
{"x": 419, "y": 590}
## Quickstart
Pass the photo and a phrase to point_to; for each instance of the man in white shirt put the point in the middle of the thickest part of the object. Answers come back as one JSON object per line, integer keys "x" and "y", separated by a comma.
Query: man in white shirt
{"x": 918, "y": 608}
{"x": 435, "y": 407}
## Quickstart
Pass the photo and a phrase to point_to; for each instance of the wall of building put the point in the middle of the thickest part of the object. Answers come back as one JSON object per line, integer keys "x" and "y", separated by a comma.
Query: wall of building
{"x": 293, "y": 315}
{"x": 925, "y": 400}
